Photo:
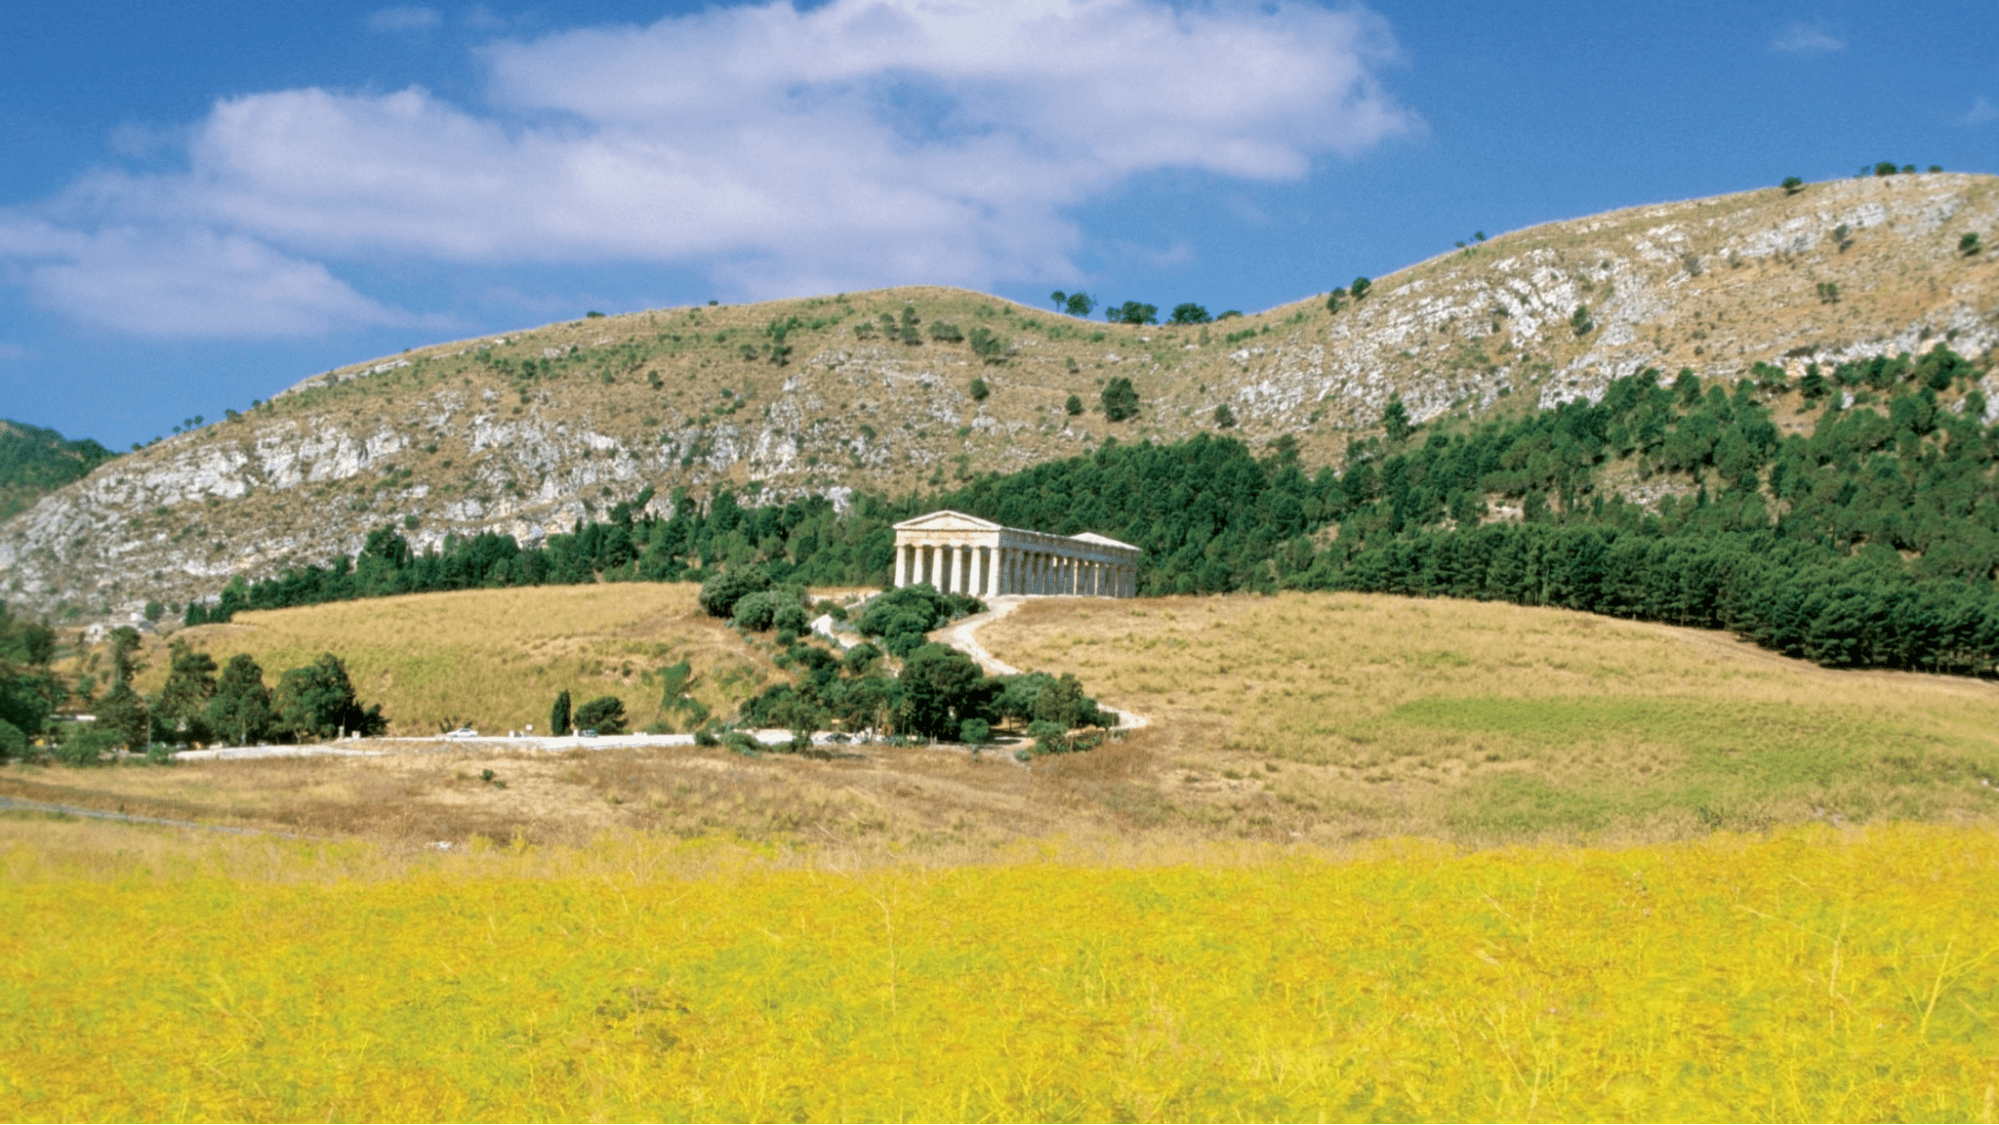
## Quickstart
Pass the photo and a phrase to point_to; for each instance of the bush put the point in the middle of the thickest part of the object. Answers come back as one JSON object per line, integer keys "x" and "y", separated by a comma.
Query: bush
{"x": 720, "y": 594}
{"x": 1073, "y": 406}
{"x": 945, "y": 332}
{"x": 604, "y": 714}
{"x": 1120, "y": 399}
{"x": 988, "y": 346}
{"x": 13, "y": 744}
{"x": 975, "y": 731}
{"x": 1793, "y": 185}
{"x": 760, "y": 611}
{"x": 901, "y": 617}
{"x": 979, "y": 390}
{"x": 1969, "y": 245}
{"x": 1224, "y": 417}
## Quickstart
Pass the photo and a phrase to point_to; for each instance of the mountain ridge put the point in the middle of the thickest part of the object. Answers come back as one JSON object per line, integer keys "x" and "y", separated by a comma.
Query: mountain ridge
{"x": 527, "y": 432}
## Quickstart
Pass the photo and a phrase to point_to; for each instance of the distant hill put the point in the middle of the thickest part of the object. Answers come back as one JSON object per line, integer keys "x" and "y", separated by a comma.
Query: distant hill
{"x": 528, "y": 432}
{"x": 35, "y": 461}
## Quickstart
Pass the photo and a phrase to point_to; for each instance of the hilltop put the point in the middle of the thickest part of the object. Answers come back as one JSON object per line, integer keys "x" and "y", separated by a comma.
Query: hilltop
{"x": 528, "y": 432}
{"x": 35, "y": 461}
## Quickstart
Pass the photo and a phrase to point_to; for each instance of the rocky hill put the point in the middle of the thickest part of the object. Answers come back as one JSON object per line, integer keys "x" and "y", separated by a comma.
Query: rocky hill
{"x": 528, "y": 432}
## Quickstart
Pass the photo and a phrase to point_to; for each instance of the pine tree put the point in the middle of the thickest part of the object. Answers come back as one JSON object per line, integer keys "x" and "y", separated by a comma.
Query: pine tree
{"x": 558, "y": 715}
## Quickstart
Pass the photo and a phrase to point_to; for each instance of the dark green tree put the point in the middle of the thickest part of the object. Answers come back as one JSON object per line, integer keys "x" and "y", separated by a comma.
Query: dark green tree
{"x": 1079, "y": 305}
{"x": 1360, "y": 288}
{"x": 1190, "y": 313}
{"x": 1224, "y": 417}
{"x": 558, "y": 715}
{"x": 1073, "y": 405}
{"x": 1060, "y": 299}
{"x": 941, "y": 688}
{"x": 1120, "y": 399}
{"x": 317, "y": 701}
{"x": 1970, "y": 245}
{"x": 604, "y": 714}
{"x": 719, "y": 594}
{"x": 1336, "y": 300}
{"x": 1581, "y": 322}
{"x": 122, "y": 714}
{"x": 979, "y": 390}
{"x": 1792, "y": 185}
{"x": 1395, "y": 421}
{"x": 1132, "y": 312}
{"x": 241, "y": 707}
{"x": 182, "y": 708}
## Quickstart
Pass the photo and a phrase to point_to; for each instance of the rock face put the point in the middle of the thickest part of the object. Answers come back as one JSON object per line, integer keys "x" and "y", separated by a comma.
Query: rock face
{"x": 527, "y": 433}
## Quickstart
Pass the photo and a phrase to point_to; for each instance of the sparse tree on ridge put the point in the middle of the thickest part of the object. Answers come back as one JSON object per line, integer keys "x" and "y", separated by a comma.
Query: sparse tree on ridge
{"x": 1079, "y": 305}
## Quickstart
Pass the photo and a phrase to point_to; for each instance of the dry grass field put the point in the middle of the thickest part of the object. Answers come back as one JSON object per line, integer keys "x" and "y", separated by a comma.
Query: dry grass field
{"x": 1341, "y": 716}
{"x": 1300, "y": 718}
{"x": 495, "y": 659}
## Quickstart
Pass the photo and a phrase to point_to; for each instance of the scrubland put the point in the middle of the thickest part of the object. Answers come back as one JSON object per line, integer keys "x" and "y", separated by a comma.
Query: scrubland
{"x": 1817, "y": 974}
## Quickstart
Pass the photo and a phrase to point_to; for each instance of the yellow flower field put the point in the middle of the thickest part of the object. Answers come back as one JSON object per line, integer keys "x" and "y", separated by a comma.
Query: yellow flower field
{"x": 1813, "y": 974}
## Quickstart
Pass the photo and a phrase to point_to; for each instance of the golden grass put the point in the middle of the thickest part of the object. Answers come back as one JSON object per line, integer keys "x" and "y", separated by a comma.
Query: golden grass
{"x": 495, "y": 659}
{"x": 1375, "y": 715}
{"x": 1815, "y": 975}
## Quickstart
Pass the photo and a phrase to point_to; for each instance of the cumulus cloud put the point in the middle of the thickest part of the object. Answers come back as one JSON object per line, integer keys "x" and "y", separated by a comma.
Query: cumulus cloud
{"x": 404, "y": 19}
{"x": 1807, "y": 39}
{"x": 191, "y": 283}
{"x": 856, "y": 143}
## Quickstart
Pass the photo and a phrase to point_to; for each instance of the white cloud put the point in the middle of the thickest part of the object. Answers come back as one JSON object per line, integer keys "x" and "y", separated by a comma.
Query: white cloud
{"x": 404, "y": 19}
{"x": 862, "y": 142}
{"x": 1807, "y": 39}
{"x": 1981, "y": 111}
{"x": 186, "y": 283}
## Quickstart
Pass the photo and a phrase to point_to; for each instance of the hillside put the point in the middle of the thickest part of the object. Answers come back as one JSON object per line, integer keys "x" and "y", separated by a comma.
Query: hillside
{"x": 527, "y": 433}
{"x": 35, "y": 461}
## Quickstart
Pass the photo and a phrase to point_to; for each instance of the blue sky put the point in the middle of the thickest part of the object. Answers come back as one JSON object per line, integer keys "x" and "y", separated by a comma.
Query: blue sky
{"x": 201, "y": 206}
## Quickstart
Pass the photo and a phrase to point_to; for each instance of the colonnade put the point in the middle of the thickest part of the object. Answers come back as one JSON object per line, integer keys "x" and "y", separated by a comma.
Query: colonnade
{"x": 985, "y": 571}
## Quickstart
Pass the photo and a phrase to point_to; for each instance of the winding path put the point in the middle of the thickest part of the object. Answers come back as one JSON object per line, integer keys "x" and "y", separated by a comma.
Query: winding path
{"x": 963, "y": 636}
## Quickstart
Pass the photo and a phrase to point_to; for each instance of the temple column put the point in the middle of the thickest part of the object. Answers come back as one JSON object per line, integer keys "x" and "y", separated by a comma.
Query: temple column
{"x": 901, "y": 565}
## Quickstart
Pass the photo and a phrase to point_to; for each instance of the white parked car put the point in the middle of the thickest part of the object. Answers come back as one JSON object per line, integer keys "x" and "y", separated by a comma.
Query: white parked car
{"x": 462, "y": 732}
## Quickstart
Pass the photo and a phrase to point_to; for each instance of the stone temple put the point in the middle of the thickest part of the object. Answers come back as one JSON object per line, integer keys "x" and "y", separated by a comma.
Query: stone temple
{"x": 961, "y": 554}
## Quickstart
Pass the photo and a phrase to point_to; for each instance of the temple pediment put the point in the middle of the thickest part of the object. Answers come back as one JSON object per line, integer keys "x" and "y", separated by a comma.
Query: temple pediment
{"x": 1103, "y": 540}
{"x": 947, "y": 521}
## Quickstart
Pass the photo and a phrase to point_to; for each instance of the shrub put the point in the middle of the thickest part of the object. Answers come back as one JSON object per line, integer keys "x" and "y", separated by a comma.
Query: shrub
{"x": 1793, "y": 185}
{"x": 1120, "y": 399}
{"x": 945, "y": 332}
{"x": 1224, "y": 417}
{"x": 1360, "y": 288}
{"x": 979, "y": 390}
{"x": 604, "y": 714}
{"x": 758, "y": 612}
{"x": 1581, "y": 321}
{"x": 987, "y": 346}
{"x": 13, "y": 744}
{"x": 1969, "y": 245}
{"x": 1073, "y": 406}
{"x": 975, "y": 731}
{"x": 791, "y": 617}
{"x": 719, "y": 594}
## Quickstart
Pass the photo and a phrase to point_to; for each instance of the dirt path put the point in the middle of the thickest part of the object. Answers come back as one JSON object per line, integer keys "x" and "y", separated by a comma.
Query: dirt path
{"x": 963, "y": 636}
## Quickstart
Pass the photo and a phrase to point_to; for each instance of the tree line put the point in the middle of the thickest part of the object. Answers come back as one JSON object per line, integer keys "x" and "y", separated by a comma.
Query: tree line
{"x": 1869, "y": 539}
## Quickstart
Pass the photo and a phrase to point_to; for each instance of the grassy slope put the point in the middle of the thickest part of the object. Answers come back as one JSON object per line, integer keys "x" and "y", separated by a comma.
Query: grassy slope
{"x": 1300, "y": 717}
{"x": 1369, "y": 715}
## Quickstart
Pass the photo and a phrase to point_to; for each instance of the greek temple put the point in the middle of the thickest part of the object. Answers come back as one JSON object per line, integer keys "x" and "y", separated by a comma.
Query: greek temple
{"x": 961, "y": 554}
